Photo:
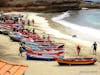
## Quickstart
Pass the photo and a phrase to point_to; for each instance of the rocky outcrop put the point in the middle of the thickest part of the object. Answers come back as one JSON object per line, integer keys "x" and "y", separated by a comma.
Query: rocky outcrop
{"x": 42, "y": 4}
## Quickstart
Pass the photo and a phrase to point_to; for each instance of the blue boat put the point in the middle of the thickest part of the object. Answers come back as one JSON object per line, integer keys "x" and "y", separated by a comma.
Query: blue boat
{"x": 28, "y": 57}
{"x": 43, "y": 55}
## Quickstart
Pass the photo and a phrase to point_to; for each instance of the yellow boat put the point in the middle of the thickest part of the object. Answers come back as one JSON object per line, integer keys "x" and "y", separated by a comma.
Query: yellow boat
{"x": 76, "y": 61}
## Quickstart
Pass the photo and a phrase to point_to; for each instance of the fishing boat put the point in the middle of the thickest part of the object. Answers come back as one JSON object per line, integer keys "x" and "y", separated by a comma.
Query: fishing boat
{"x": 42, "y": 55}
{"x": 26, "y": 39}
{"x": 75, "y": 61}
{"x": 6, "y": 32}
{"x": 15, "y": 36}
{"x": 4, "y": 29}
{"x": 1, "y": 31}
{"x": 35, "y": 46}
{"x": 37, "y": 57}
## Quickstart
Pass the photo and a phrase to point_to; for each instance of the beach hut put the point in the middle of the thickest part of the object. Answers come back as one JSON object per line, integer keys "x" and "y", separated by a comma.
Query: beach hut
{"x": 8, "y": 68}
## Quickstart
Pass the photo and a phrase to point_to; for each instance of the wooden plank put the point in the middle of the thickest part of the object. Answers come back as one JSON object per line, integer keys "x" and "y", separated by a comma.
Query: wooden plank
{"x": 21, "y": 70}
{"x": 14, "y": 69}
{"x": 2, "y": 64}
{"x": 5, "y": 68}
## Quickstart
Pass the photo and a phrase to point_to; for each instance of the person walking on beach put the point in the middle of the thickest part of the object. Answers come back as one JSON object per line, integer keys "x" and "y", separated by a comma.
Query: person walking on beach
{"x": 22, "y": 48}
{"x": 48, "y": 38}
{"x": 43, "y": 36}
{"x": 33, "y": 31}
{"x": 28, "y": 22}
{"x": 33, "y": 22}
{"x": 94, "y": 48}
{"x": 20, "y": 51}
{"x": 78, "y": 48}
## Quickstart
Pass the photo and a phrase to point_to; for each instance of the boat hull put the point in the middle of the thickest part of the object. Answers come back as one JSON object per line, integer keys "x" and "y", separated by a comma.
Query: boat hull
{"x": 5, "y": 32}
{"x": 28, "y": 57}
{"x": 74, "y": 63}
{"x": 15, "y": 39}
{"x": 88, "y": 61}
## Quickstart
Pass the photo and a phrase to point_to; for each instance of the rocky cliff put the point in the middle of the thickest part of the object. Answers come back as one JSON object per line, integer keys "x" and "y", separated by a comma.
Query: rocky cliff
{"x": 40, "y": 4}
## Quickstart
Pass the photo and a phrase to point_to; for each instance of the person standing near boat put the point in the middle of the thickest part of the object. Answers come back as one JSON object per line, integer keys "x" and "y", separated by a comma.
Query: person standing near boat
{"x": 33, "y": 22}
{"x": 23, "y": 22}
{"x": 48, "y": 38}
{"x": 78, "y": 48}
{"x": 43, "y": 36}
{"x": 94, "y": 48}
{"x": 28, "y": 22}
{"x": 22, "y": 48}
{"x": 20, "y": 51}
{"x": 33, "y": 31}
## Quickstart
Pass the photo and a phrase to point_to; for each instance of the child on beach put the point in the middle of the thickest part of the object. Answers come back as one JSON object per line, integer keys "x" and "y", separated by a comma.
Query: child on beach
{"x": 21, "y": 50}
{"x": 78, "y": 49}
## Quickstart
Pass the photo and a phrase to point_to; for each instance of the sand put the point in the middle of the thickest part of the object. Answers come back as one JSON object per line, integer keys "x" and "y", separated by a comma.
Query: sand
{"x": 9, "y": 51}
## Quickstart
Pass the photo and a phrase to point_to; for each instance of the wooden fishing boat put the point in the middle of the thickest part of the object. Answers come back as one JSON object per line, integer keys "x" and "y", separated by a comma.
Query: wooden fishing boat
{"x": 37, "y": 57}
{"x": 4, "y": 29}
{"x": 41, "y": 55}
{"x": 6, "y": 32}
{"x": 26, "y": 39}
{"x": 1, "y": 31}
{"x": 15, "y": 37}
{"x": 35, "y": 46}
{"x": 76, "y": 61}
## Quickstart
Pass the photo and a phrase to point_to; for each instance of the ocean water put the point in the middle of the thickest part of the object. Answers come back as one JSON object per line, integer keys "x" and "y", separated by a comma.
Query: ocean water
{"x": 85, "y": 23}
{"x": 87, "y": 18}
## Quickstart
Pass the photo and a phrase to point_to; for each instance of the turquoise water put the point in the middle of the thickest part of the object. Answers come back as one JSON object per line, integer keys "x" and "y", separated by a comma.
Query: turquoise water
{"x": 87, "y": 18}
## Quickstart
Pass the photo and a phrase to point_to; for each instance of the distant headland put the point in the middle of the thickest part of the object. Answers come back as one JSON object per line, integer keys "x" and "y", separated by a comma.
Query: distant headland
{"x": 39, "y": 5}
{"x": 46, "y": 5}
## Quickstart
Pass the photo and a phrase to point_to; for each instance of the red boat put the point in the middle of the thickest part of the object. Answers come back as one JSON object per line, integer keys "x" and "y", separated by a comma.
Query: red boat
{"x": 43, "y": 55}
{"x": 76, "y": 61}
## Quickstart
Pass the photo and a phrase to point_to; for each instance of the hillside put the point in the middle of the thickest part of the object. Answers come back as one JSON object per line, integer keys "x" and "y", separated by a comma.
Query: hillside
{"x": 40, "y": 4}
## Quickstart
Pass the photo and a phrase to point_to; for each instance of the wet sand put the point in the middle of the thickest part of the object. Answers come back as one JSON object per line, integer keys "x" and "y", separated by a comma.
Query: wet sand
{"x": 9, "y": 51}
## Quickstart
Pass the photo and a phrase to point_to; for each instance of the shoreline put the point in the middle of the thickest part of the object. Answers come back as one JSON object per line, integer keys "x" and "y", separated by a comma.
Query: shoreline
{"x": 62, "y": 31}
{"x": 80, "y": 31}
{"x": 69, "y": 40}
{"x": 10, "y": 50}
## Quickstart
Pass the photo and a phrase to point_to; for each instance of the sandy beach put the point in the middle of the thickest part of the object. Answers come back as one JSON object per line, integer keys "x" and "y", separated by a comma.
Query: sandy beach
{"x": 43, "y": 23}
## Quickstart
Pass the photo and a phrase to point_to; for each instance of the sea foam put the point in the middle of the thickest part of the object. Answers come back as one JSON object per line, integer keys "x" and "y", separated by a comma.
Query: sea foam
{"x": 85, "y": 30}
